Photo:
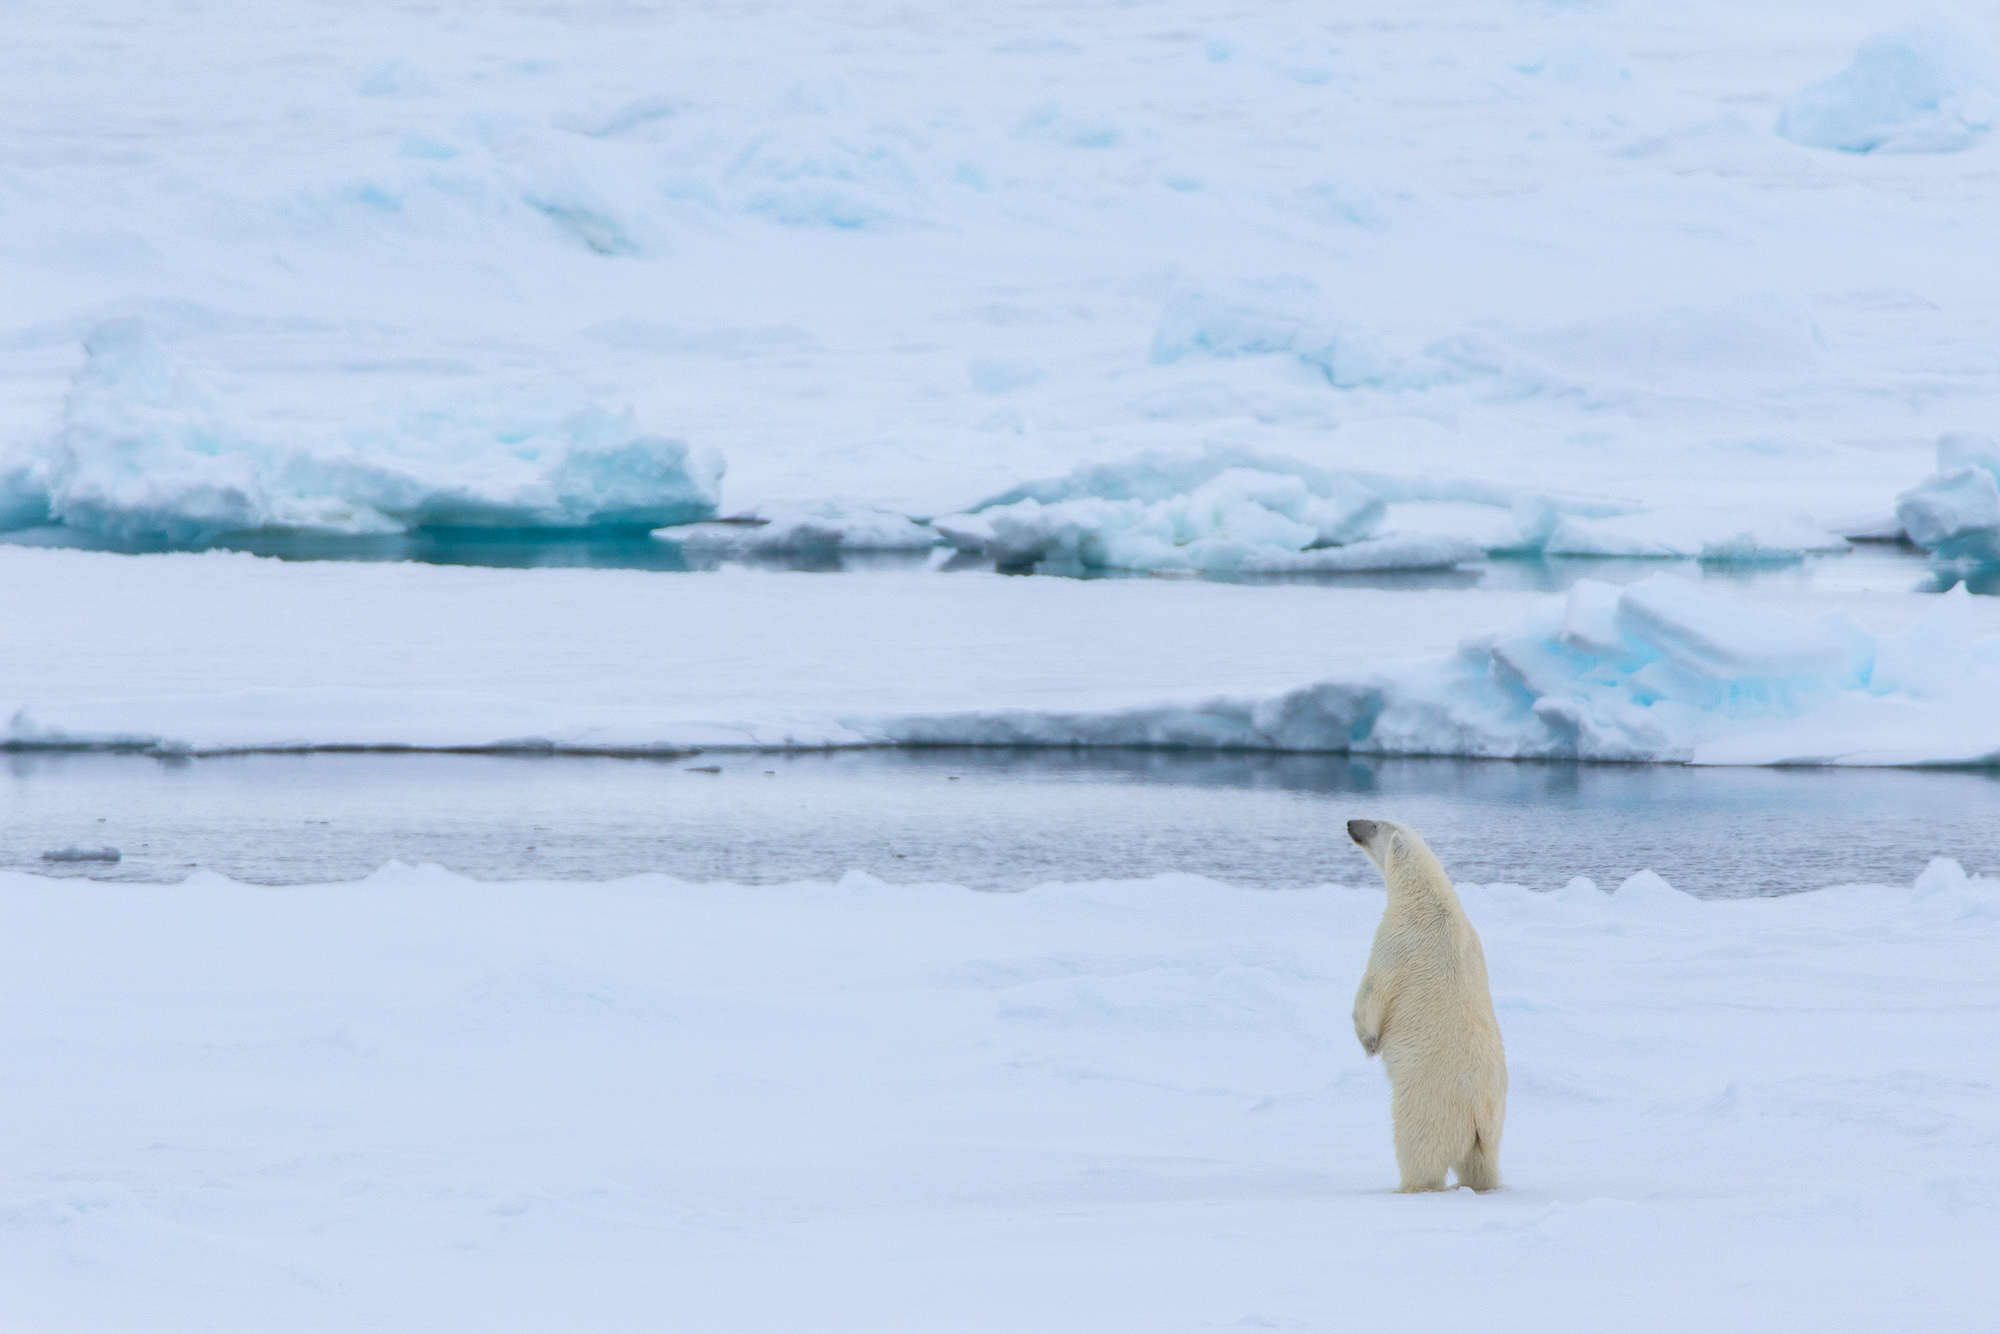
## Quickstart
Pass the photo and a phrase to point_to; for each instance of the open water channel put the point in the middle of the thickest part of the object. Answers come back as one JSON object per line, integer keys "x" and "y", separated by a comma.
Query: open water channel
{"x": 991, "y": 819}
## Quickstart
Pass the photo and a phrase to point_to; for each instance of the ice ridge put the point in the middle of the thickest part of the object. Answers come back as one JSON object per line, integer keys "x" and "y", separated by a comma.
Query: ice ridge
{"x": 1236, "y": 510}
{"x": 1662, "y": 670}
{"x": 1955, "y": 512}
{"x": 149, "y": 451}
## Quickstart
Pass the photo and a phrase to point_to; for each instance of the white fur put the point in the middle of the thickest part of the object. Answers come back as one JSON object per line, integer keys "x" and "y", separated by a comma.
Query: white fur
{"x": 1424, "y": 1004}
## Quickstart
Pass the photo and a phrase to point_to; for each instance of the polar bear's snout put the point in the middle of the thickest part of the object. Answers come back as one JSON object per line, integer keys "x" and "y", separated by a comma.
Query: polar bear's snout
{"x": 1361, "y": 831}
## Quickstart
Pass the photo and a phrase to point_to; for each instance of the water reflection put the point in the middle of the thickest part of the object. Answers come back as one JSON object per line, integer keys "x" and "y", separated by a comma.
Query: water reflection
{"x": 997, "y": 819}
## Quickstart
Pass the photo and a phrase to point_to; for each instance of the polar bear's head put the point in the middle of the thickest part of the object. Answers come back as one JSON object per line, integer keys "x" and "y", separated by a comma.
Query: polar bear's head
{"x": 1381, "y": 840}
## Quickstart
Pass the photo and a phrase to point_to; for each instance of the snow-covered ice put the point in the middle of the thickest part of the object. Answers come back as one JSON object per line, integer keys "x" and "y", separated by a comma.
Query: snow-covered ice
{"x": 1240, "y": 519}
{"x": 355, "y": 267}
{"x": 826, "y": 525}
{"x": 229, "y": 652}
{"x": 1231, "y": 510}
{"x": 422, "y": 1102}
{"x": 1662, "y": 670}
{"x": 148, "y": 452}
{"x": 1955, "y": 512}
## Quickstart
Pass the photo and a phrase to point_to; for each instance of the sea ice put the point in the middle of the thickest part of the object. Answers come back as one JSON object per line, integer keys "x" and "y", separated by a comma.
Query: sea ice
{"x": 1239, "y": 519}
{"x": 1922, "y": 88}
{"x": 148, "y": 450}
{"x": 1661, "y": 670}
{"x": 922, "y": 268}
{"x": 824, "y": 526}
{"x": 1955, "y": 512}
{"x": 294, "y": 657}
{"x": 1224, "y": 509}
{"x": 1709, "y": 535}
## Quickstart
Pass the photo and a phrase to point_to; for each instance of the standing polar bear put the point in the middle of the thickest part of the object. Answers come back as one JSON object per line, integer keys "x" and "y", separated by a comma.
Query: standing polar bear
{"x": 1425, "y": 1006}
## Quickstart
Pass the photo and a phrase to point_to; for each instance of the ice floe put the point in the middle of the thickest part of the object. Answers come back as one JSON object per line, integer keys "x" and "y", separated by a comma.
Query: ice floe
{"x": 149, "y": 450}
{"x": 823, "y": 526}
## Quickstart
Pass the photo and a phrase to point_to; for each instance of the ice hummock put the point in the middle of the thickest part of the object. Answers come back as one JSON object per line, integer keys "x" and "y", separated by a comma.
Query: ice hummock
{"x": 149, "y": 450}
{"x": 1235, "y": 510}
{"x": 820, "y": 526}
{"x": 1955, "y": 512}
{"x": 1922, "y": 88}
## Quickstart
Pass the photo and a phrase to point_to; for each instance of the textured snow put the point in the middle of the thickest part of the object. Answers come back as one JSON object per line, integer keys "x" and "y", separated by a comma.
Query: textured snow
{"x": 419, "y": 1102}
{"x": 1922, "y": 88}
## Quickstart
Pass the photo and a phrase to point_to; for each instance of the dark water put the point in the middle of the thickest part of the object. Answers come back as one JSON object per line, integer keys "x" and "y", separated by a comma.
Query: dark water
{"x": 1890, "y": 567}
{"x": 985, "y": 818}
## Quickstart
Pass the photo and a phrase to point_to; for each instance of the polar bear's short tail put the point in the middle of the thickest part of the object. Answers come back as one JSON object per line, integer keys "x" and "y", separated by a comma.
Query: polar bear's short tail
{"x": 1481, "y": 1166}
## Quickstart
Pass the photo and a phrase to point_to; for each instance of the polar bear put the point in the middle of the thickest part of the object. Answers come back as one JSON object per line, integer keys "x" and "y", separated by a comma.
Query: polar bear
{"x": 1425, "y": 1006}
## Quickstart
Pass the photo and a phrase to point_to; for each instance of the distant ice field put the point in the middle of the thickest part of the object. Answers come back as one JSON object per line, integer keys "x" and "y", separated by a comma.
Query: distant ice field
{"x": 988, "y": 819}
{"x": 1719, "y": 270}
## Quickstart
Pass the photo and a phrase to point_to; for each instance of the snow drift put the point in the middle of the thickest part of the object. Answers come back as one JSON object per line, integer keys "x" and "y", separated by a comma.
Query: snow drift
{"x": 148, "y": 451}
{"x": 1923, "y": 88}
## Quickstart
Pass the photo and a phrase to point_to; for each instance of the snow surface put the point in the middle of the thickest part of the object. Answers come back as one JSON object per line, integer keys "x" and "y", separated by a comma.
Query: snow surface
{"x": 352, "y": 266}
{"x": 227, "y": 652}
{"x": 422, "y": 1102}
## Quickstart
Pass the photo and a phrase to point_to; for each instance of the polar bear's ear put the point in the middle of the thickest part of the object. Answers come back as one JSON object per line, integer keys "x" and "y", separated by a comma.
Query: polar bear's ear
{"x": 1399, "y": 843}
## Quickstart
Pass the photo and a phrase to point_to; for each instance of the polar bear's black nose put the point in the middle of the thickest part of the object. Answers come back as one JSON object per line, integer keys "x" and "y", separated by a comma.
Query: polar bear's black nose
{"x": 1361, "y": 831}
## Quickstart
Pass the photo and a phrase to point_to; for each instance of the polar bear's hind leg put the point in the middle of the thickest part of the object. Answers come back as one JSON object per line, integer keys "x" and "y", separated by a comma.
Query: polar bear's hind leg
{"x": 1427, "y": 1146}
